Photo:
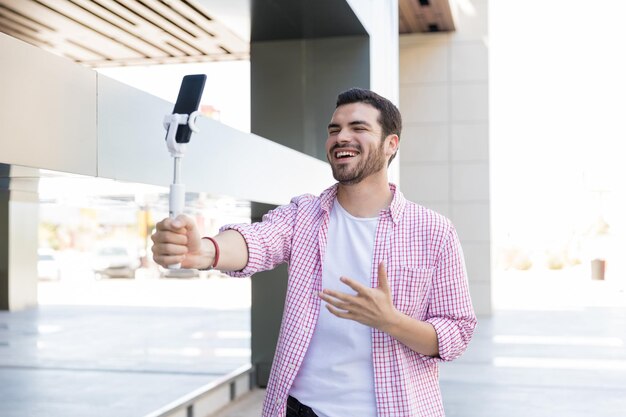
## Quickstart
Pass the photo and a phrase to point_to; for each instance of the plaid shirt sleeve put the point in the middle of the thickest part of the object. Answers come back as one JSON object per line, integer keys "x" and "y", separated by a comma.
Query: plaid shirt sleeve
{"x": 450, "y": 311}
{"x": 269, "y": 241}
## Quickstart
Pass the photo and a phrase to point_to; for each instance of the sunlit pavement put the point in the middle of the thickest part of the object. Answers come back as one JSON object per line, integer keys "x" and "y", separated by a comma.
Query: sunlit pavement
{"x": 120, "y": 347}
{"x": 555, "y": 346}
{"x": 535, "y": 363}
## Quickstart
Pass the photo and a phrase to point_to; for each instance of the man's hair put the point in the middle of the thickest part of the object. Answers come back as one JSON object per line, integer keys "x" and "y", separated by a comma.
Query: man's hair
{"x": 390, "y": 119}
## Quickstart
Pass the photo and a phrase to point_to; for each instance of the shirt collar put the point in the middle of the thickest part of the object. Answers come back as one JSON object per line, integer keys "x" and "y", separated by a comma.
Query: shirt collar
{"x": 395, "y": 210}
{"x": 398, "y": 203}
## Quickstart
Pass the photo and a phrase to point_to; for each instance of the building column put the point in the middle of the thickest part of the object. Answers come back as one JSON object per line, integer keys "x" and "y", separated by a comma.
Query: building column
{"x": 445, "y": 157}
{"x": 300, "y": 59}
{"x": 19, "y": 222}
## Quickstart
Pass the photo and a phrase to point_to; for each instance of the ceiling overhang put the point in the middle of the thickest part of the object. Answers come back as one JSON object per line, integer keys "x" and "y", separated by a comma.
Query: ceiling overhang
{"x": 419, "y": 16}
{"x": 122, "y": 32}
{"x": 100, "y": 33}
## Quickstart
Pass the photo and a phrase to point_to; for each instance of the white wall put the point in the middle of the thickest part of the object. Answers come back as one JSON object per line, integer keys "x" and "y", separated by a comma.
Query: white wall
{"x": 444, "y": 158}
{"x": 47, "y": 110}
{"x": 69, "y": 118}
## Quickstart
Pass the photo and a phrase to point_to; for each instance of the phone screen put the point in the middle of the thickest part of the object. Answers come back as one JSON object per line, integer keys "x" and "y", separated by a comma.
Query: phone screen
{"x": 188, "y": 101}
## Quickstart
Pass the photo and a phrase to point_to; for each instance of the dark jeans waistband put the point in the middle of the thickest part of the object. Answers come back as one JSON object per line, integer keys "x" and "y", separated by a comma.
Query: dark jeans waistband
{"x": 296, "y": 409}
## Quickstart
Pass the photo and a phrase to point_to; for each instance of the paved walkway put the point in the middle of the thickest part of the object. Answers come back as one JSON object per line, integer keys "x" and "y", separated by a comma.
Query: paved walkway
{"x": 530, "y": 364}
{"x": 541, "y": 363}
{"x": 566, "y": 356}
{"x": 72, "y": 361}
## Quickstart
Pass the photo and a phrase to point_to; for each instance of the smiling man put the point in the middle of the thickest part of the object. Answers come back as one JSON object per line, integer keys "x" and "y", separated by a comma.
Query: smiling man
{"x": 377, "y": 292}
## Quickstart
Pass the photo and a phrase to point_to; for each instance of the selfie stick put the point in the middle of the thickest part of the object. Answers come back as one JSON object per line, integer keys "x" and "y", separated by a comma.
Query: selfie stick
{"x": 177, "y": 150}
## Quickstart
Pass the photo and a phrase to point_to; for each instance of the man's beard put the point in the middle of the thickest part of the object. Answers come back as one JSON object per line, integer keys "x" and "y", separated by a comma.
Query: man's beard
{"x": 347, "y": 175}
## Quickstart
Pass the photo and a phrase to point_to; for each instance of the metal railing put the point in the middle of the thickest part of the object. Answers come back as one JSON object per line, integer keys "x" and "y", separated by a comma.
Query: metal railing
{"x": 211, "y": 397}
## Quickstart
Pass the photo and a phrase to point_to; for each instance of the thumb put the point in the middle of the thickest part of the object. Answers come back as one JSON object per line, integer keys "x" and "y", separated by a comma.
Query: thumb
{"x": 190, "y": 228}
{"x": 183, "y": 221}
{"x": 383, "y": 283}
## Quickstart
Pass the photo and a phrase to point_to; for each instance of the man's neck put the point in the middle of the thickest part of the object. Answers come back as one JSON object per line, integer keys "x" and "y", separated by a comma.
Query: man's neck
{"x": 367, "y": 198}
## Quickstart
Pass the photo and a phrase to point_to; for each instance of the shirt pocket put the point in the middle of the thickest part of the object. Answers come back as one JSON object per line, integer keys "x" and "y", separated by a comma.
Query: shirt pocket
{"x": 411, "y": 288}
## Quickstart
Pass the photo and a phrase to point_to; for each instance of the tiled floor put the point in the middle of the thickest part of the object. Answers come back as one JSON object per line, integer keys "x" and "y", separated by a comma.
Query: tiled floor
{"x": 530, "y": 364}
{"x": 73, "y": 361}
{"x": 541, "y": 363}
{"x": 568, "y": 360}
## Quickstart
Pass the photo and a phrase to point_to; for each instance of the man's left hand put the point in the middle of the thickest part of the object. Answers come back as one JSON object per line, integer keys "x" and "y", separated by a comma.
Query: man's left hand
{"x": 370, "y": 306}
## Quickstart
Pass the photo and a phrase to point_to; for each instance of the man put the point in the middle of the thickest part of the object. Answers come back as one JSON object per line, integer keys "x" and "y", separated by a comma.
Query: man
{"x": 389, "y": 272}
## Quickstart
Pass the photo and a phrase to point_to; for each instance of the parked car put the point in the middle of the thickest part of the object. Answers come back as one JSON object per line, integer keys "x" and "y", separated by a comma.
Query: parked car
{"x": 115, "y": 262}
{"x": 47, "y": 265}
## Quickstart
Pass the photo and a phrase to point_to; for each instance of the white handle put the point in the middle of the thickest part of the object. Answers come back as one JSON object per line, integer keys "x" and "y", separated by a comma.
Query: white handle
{"x": 177, "y": 205}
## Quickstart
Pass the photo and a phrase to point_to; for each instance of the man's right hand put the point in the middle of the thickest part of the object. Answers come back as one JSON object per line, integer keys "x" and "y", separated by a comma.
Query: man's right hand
{"x": 178, "y": 241}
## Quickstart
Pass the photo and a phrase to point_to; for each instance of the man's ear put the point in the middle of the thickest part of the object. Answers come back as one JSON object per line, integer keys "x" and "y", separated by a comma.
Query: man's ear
{"x": 392, "y": 143}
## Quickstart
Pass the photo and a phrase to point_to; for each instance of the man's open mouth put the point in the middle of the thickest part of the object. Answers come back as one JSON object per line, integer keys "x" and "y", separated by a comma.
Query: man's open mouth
{"x": 345, "y": 154}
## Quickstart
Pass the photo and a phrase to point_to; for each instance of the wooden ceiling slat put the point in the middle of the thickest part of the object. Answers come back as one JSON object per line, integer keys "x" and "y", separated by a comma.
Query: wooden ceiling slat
{"x": 30, "y": 25}
{"x": 54, "y": 22}
{"x": 169, "y": 60}
{"x": 419, "y": 17}
{"x": 222, "y": 35}
{"x": 74, "y": 23}
{"x": 125, "y": 29}
{"x": 21, "y": 32}
{"x": 122, "y": 32}
{"x": 171, "y": 33}
{"x": 143, "y": 28}
{"x": 408, "y": 16}
{"x": 118, "y": 10}
{"x": 130, "y": 31}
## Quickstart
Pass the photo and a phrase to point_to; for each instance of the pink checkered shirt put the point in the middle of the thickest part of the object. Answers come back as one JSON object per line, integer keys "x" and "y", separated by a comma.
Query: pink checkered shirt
{"x": 428, "y": 280}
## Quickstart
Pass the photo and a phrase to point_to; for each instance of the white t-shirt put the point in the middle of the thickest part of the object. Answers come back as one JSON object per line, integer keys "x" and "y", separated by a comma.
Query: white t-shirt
{"x": 336, "y": 378}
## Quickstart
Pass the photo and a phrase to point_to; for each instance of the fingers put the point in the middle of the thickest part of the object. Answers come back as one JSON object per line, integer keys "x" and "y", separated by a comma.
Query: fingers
{"x": 164, "y": 253}
{"x": 338, "y": 313}
{"x": 167, "y": 260}
{"x": 180, "y": 222}
{"x": 338, "y": 295}
{"x": 339, "y": 300}
{"x": 163, "y": 237}
{"x": 171, "y": 240}
{"x": 170, "y": 249}
{"x": 356, "y": 286}
{"x": 383, "y": 282}
{"x": 183, "y": 221}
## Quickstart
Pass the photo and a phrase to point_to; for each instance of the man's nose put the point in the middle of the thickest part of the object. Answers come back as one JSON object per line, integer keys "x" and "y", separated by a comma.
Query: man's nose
{"x": 343, "y": 136}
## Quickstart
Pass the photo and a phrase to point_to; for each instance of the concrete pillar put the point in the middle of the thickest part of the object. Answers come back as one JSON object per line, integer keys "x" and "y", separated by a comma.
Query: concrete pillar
{"x": 19, "y": 221}
{"x": 444, "y": 159}
{"x": 295, "y": 83}
{"x": 302, "y": 54}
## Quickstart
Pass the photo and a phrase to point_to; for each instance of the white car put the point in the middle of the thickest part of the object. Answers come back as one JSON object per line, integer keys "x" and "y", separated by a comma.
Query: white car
{"x": 47, "y": 265}
{"x": 115, "y": 262}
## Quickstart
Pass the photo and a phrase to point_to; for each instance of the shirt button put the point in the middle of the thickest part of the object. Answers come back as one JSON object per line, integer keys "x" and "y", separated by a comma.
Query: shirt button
{"x": 291, "y": 366}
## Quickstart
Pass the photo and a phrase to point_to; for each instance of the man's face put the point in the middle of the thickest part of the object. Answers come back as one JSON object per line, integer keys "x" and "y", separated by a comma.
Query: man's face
{"x": 355, "y": 148}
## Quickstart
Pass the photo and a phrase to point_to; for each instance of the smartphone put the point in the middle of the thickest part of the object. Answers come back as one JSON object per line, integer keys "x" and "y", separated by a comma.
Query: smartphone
{"x": 188, "y": 101}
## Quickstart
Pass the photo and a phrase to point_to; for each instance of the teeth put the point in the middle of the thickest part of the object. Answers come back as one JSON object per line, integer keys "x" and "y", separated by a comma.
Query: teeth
{"x": 345, "y": 153}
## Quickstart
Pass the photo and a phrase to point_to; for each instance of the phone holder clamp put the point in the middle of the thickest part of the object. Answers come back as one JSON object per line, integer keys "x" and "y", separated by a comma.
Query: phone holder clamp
{"x": 171, "y": 123}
